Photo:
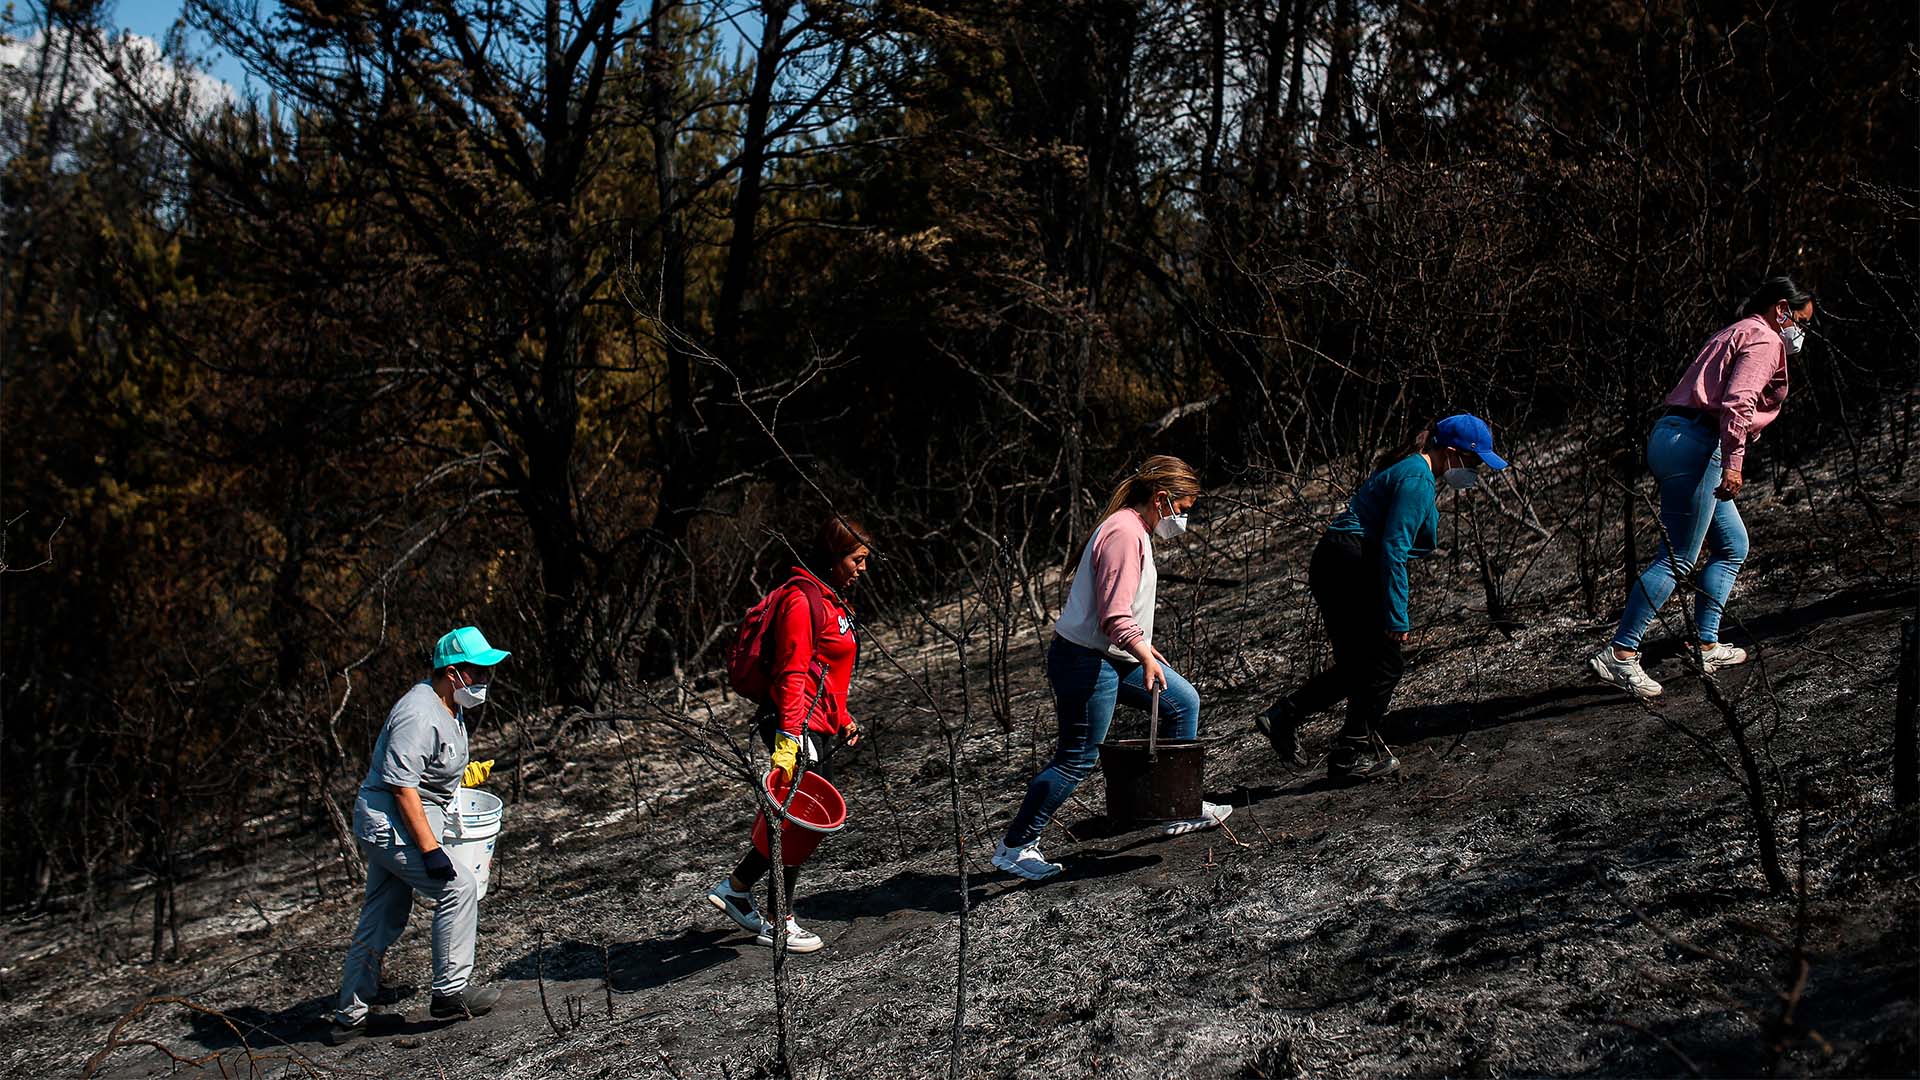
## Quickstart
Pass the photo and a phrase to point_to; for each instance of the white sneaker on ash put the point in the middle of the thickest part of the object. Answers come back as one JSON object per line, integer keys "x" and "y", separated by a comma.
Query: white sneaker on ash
{"x": 737, "y": 905}
{"x": 1026, "y": 862}
{"x": 1721, "y": 655}
{"x": 799, "y": 938}
{"x": 1211, "y": 815}
{"x": 1625, "y": 674}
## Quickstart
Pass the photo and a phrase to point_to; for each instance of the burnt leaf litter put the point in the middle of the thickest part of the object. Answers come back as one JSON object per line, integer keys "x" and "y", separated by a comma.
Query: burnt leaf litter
{"x": 1559, "y": 882}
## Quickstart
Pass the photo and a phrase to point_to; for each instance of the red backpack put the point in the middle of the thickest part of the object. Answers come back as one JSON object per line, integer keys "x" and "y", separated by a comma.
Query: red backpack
{"x": 750, "y": 657}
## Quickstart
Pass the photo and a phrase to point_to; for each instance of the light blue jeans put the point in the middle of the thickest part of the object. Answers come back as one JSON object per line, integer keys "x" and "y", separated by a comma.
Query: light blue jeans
{"x": 1086, "y": 686}
{"x": 1684, "y": 457}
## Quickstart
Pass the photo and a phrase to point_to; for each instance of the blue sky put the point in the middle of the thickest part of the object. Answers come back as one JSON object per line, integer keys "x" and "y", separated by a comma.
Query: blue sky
{"x": 154, "y": 17}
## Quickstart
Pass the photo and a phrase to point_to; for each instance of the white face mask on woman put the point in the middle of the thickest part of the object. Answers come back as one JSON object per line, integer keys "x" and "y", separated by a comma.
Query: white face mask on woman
{"x": 1793, "y": 336}
{"x": 471, "y": 696}
{"x": 1461, "y": 478}
{"x": 1171, "y": 524}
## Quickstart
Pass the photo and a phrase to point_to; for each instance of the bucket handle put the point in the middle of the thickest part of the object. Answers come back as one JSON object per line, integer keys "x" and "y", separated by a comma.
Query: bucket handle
{"x": 1153, "y": 728}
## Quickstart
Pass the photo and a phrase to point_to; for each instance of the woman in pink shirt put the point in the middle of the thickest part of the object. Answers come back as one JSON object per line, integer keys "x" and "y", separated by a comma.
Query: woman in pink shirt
{"x": 1103, "y": 654}
{"x": 1697, "y": 454}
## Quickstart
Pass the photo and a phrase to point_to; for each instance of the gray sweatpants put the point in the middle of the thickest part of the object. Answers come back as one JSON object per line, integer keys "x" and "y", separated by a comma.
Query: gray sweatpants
{"x": 394, "y": 873}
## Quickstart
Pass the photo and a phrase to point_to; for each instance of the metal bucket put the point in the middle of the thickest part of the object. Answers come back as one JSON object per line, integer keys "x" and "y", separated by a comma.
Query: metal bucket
{"x": 1149, "y": 780}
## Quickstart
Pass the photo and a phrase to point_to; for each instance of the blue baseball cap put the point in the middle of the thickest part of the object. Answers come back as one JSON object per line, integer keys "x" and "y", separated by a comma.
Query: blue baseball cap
{"x": 466, "y": 645}
{"x": 1470, "y": 433}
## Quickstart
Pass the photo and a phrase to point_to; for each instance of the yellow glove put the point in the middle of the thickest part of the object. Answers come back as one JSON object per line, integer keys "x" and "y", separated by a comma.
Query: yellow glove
{"x": 476, "y": 773}
{"x": 785, "y": 749}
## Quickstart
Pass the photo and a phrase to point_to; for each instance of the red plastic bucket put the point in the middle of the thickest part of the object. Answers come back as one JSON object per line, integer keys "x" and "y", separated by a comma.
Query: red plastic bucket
{"x": 818, "y": 809}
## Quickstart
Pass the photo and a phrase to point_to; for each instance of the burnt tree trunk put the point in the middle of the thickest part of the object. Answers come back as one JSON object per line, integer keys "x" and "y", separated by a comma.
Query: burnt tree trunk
{"x": 747, "y": 192}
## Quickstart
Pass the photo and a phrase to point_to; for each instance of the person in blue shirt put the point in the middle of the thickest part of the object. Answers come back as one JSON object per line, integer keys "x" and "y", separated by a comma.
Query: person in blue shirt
{"x": 1359, "y": 580}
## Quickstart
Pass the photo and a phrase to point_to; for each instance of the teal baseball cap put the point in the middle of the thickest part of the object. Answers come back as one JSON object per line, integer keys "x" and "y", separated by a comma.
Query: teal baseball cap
{"x": 466, "y": 645}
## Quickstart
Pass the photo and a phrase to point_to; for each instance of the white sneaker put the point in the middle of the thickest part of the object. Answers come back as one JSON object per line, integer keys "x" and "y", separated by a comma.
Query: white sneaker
{"x": 737, "y": 905}
{"x": 799, "y": 938}
{"x": 1721, "y": 655}
{"x": 1625, "y": 674}
{"x": 1026, "y": 862}
{"x": 1211, "y": 815}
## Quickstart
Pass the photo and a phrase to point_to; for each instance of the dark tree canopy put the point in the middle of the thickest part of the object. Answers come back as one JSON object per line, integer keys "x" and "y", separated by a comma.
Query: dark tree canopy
{"x": 551, "y": 317}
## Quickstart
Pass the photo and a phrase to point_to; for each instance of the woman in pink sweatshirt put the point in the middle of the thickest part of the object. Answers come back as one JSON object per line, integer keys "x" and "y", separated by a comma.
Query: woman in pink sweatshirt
{"x": 1102, "y": 654}
{"x": 1697, "y": 454}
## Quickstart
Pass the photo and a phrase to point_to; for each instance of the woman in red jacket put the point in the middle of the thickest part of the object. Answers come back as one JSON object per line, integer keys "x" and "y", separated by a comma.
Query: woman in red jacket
{"x": 813, "y": 649}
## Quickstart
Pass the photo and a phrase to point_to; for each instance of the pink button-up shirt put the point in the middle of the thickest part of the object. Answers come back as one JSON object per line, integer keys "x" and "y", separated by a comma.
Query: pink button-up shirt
{"x": 1741, "y": 374}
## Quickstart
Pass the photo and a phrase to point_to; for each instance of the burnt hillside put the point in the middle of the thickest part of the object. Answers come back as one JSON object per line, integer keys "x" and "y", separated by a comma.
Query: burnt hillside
{"x": 1559, "y": 882}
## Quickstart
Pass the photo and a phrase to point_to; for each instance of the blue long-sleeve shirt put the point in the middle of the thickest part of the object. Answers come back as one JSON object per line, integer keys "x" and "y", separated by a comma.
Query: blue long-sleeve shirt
{"x": 1396, "y": 516}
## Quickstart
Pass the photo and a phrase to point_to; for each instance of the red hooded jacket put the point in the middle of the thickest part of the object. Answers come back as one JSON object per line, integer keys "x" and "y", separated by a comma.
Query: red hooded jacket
{"x": 795, "y": 651}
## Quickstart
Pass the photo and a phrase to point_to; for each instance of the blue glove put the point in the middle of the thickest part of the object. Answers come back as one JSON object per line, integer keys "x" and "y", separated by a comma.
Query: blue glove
{"x": 439, "y": 867}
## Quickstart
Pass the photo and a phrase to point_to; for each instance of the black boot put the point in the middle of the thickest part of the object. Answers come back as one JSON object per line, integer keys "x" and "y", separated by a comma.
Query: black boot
{"x": 339, "y": 1034}
{"x": 464, "y": 1005}
{"x": 392, "y": 995}
{"x": 1279, "y": 724}
{"x": 1356, "y": 759}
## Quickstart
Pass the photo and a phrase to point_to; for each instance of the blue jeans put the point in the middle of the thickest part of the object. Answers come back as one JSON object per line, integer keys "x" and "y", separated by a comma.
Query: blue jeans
{"x": 1086, "y": 685}
{"x": 1684, "y": 457}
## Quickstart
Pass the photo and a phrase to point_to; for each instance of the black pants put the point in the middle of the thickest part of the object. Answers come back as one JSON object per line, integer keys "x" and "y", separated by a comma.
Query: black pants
{"x": 754, "y": 865}
{"x": 1345, "y": 580}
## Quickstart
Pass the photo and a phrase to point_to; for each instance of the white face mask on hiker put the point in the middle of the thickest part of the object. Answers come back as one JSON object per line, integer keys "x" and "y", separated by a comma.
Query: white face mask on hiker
{"x": 1460, "y": 478}
{"x": 1171, "y": 525}
{"x": 471, "y": 696}
{"x": 1793, "y": 337}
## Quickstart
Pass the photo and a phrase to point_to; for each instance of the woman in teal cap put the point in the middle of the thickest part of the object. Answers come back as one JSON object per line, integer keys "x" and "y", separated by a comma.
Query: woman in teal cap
{"x": 1359, "y": 581}
{"x": 419, "y": 763}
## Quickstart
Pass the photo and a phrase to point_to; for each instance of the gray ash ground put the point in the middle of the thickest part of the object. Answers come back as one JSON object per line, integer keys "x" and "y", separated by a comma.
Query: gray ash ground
{"x": 1558, "y": 883}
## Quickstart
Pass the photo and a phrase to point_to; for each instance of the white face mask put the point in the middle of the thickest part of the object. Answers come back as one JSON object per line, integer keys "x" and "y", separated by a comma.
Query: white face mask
{"x": 1793, "y": 336}
{"x": 1460, "y": 479}
{"x": 470, "y": 696}
{"x": 1171, "y": 525}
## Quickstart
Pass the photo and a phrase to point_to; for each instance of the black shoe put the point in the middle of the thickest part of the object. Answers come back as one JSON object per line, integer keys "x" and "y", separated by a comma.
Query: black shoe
{"x": 1356, "y": 761}
{"x": 1279, "y": 724}
{"x": 465, "y": 1005}
{"x": 339, "y": 1034}
{"x": 392, "y": 995}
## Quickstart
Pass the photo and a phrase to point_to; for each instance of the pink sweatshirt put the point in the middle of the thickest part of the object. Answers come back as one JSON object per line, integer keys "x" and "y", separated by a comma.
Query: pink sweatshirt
{"x": 1741, "y": 374}
{"x": 1110, "y": 605}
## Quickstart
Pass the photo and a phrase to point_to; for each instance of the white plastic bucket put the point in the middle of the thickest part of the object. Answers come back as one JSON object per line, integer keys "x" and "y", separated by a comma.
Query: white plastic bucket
{"x": 471, "y": 832}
